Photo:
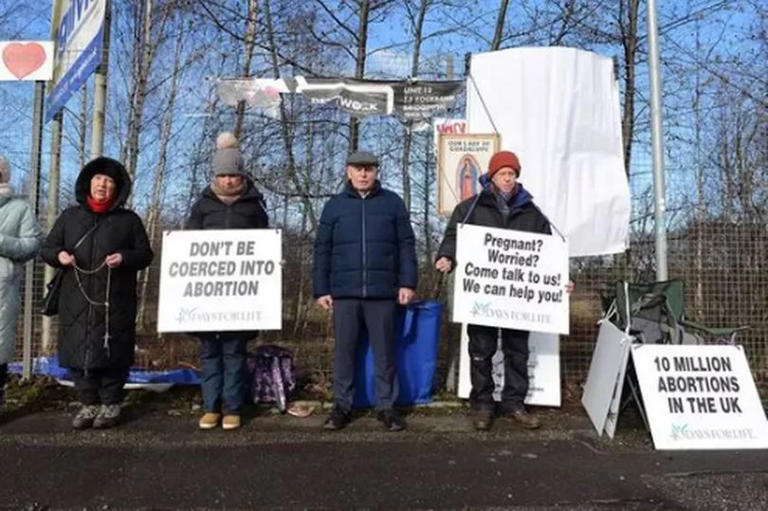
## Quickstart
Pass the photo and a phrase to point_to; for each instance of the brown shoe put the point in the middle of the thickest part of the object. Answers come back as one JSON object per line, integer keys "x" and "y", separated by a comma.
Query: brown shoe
{"x": 525, "y": 419}
{"x": 481, "y": 419}
{"x": 209, "y": 420}
{"x": 230, "y": 422}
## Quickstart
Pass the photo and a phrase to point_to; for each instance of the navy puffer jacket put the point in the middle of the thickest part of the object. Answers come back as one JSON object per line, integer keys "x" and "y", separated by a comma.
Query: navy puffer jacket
{"x": 364, "y": 246}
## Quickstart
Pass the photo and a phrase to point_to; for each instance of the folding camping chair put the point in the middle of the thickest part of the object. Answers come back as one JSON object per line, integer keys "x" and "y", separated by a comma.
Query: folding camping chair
{"x": 654, "y": 313}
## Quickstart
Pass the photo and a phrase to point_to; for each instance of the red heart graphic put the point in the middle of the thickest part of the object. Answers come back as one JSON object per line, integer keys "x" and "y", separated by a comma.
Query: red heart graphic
{"x": 23, "y": 59}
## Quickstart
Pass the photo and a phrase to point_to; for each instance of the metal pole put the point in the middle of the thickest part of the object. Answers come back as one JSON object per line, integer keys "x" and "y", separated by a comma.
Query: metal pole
{"x": 100, "y": 90}
{"x": 658, "y": 143}
{"x": 52, "y": 209}
{"x": 34, "y": 186}
{"x": 454, "y": 351}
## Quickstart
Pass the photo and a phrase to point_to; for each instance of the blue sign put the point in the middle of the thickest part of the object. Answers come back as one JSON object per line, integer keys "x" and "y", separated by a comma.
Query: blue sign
{"x": 79, "y": 45}
{"x": 84, "y": 66}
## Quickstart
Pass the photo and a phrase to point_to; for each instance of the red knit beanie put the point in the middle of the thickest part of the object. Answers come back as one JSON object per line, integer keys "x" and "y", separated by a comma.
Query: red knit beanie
{"x": 503, "y": 159}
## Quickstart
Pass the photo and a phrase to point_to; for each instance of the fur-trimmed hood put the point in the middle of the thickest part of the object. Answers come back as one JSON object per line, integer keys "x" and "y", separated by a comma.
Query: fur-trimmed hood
{"x": 109, "y": 167}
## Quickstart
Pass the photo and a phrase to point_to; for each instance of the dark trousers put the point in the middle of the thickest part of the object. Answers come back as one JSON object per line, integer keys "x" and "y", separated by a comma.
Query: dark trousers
{"x": 351, "y": 316}
{"x": 100, "y": 386}
{"x": 224, "y": 371}
{"x": 483, "y": 342}
{"x": 3, "y": 376}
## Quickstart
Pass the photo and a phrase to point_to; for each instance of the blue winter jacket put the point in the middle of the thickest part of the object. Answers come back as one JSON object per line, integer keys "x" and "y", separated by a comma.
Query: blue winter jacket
{"x": 364, "y": 246}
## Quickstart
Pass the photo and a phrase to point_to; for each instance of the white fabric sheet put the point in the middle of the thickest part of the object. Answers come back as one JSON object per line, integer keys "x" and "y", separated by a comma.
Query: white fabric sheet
{"x": 558, "y": 109}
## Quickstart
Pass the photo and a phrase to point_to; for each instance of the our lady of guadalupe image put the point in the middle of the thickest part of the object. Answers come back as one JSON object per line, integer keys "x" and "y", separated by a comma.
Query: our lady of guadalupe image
{"x": 466, "y": 177}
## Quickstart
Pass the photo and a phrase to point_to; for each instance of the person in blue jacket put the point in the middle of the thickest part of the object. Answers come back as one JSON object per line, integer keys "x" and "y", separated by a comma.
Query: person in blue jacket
{"x": 20, "y": 239}
{"x": 364, "y": 265}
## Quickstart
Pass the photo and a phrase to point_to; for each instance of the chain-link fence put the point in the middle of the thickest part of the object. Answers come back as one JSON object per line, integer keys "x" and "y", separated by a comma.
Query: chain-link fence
{"x": 723, "y": 265}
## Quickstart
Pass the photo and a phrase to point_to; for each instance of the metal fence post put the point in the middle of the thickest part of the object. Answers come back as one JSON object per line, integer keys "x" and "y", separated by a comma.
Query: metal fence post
{"x": 34, "y": 186}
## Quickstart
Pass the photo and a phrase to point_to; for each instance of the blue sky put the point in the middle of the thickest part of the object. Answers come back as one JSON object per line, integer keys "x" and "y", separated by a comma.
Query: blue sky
{"x": 390, "y": 57}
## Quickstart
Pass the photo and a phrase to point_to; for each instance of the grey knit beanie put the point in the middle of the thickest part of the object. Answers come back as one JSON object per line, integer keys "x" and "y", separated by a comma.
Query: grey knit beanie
{"x": 5, "y": 170}
{"x": 228, "y": 160}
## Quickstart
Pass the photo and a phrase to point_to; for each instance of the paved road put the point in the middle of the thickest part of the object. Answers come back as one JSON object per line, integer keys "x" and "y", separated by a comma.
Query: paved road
{"x": 160, "y": 461}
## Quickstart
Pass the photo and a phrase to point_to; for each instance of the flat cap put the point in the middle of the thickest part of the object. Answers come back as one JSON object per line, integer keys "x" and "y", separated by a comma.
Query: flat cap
{"x": 362, "y": 158}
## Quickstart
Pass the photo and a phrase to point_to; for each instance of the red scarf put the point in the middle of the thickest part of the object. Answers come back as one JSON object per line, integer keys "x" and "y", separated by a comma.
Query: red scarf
{"x": 99, "y": 207}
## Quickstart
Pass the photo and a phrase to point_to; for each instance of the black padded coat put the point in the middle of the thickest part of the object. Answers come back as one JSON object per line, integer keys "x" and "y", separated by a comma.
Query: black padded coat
{"x": 82, "y": 325}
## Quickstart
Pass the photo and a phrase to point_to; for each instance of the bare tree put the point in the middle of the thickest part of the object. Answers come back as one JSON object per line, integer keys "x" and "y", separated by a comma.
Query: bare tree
{"x": 416, "y": 17}
{"x": 153, "y": 215}
{"x": 250, "y": 44}
{"x": 499, "y": 30}
{"x": 149, "y": 32}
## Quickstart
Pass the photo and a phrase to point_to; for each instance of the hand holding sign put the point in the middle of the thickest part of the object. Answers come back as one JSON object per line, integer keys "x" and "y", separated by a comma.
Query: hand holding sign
{"x": 444, "y": 265}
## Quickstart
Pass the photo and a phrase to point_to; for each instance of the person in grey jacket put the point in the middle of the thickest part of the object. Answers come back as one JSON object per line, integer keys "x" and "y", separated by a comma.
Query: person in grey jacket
{"x": 20, "y": 239}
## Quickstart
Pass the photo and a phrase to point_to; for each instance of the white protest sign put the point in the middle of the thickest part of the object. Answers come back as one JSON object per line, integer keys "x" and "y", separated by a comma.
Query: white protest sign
{"x": 511, "y": 279}
{"x": 700, "y": 397}
{"x": 543, "y": 369}
{"x": 221, "y": 280}
{"x": 605, "y": 380}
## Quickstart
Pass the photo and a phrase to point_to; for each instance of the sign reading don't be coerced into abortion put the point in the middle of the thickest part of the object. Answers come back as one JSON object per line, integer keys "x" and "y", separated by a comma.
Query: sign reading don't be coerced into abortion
{"x": 221, "y": 280}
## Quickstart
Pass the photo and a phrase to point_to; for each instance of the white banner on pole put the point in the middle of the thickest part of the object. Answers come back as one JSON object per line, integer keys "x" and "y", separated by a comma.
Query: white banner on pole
{"x": 221, "y": 280}
{"x": 511, "y": 279}
{"x": 700, "y": 397}
{"x": 558, "y": 110}
{"x": 26, "y": 60}
{"x": 543, "y": 369}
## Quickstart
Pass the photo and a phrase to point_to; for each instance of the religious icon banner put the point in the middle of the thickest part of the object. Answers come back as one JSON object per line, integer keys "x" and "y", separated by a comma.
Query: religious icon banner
{"x": 462, "y": 159}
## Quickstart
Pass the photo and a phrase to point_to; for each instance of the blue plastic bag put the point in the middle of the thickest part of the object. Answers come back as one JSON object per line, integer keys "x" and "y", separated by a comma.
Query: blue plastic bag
{"x": 417, "y": 335}
{"x": 49, "y": 366}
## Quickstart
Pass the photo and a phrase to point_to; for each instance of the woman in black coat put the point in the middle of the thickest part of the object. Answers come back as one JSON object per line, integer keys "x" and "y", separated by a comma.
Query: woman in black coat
{"x": 101, "y": 246}
{"x": 230, "y": 202}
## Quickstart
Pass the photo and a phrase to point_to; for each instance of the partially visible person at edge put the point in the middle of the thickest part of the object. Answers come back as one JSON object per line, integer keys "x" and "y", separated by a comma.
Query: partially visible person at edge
{"x": 101, "y": 245}
{"x": 364, "y": 265}
{"x": 231, "y": 201}
{"x": 20, "y": 239}
{"x": 504, "y": 204}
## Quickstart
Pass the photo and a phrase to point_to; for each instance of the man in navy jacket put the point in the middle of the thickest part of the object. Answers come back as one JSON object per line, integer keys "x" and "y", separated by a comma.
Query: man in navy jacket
{"x": 365, "y": 263}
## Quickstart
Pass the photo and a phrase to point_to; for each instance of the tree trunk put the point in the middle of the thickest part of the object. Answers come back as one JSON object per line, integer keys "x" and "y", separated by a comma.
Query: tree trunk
{"x": 630, "y": 43}
{"x": 144, "y": 57}
{"x": 83, "y": 126}
{"x": 362, "y": 49}
{"x": 418, "y": 28}
{"x": 497, "y": 35}
{"x": 286, "y": 135}
{"x": 250, "y": 36}
{"x": 157, "y": 188}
